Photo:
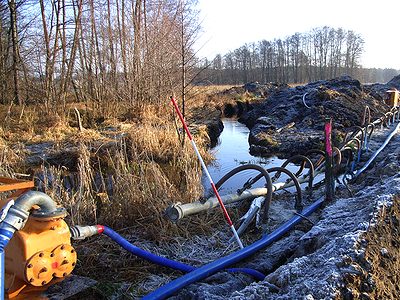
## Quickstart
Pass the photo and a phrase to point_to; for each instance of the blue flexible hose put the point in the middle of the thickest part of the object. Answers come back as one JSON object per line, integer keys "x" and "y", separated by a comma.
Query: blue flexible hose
{"x": 5, "y": 236}
{"x": 172, "y": 287}
{"x": 165, "y": 261}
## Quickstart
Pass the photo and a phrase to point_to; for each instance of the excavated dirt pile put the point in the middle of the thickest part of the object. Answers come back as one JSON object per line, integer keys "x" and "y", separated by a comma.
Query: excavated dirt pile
{"x": 255, "y": 88}
{"x": 285, "y": 124}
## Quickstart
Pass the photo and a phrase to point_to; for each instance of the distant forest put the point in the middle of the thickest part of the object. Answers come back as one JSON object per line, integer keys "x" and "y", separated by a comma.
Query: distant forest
{"x": 141, "y": 51}
{"x": 321, "y": 53}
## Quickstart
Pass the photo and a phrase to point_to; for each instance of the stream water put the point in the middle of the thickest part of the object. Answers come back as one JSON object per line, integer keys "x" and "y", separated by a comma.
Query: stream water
{"x": 231, "y": 151}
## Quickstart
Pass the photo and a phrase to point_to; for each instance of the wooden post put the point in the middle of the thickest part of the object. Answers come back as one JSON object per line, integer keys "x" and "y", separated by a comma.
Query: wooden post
{"x": 79, "y": 119}
{"x": 329, "y": 176}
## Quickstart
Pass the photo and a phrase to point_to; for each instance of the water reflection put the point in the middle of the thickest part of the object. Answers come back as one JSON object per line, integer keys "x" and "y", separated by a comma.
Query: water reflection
{"x": 231, "y": 151}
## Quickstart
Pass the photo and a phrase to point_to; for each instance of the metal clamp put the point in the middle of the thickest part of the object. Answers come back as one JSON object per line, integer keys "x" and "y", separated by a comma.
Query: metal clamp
{"x": 5, "y": 209}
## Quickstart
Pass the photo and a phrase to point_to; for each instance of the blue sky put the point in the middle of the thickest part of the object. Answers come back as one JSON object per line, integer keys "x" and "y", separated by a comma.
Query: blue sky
{"x": 228, "y": 24}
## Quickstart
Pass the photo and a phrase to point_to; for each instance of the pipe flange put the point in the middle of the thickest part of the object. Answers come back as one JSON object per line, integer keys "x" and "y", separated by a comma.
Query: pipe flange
{"x": 38, "y": 269}
{"x": 64, "y": 260}
{"x": 174, "y": 212}
{"x": 60, "y": 212}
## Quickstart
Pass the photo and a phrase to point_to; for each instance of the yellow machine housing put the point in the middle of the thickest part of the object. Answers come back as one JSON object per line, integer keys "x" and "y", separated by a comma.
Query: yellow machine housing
{"x": 38, "y": 255}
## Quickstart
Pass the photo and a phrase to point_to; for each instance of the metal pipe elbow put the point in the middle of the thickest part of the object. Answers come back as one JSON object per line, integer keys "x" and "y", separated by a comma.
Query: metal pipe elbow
{"x": 15, "y": 215}
{"x": 26, "y": 201}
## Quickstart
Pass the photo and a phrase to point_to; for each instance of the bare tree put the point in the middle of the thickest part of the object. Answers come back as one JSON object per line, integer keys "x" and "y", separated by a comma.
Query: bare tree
{"x": 15, "y": 49}
{"x": 319, "y": 54}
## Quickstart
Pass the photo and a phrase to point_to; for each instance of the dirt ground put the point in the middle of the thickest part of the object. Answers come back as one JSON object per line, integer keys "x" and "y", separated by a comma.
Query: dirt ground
{"x": 284, "y": 124}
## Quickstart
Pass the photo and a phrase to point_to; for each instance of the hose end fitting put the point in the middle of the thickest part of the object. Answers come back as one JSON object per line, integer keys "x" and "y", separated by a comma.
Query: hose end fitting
{"x": 174, "y": 212}
{"x": 14, "y": 219}
{"x": 82, "y": 232}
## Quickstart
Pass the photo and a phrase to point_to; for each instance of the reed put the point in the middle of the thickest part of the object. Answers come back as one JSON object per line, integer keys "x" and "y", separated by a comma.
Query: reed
{"x": 122, "y": 181}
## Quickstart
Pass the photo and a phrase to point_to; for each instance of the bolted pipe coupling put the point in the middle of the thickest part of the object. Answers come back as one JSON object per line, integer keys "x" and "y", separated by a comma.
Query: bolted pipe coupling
{"x": 12, "y": 217}
{"x": 82, "y": 232}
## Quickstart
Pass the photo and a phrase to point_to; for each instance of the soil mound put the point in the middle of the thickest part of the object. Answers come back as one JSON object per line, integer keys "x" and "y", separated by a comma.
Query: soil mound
{"x": 395, "y": 82}
{"x": 255, "y": 88}
{"x": 291, "y": 120}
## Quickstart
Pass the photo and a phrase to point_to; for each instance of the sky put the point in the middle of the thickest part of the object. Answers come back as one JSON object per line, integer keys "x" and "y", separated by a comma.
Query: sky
{"x": 228, "y": 24}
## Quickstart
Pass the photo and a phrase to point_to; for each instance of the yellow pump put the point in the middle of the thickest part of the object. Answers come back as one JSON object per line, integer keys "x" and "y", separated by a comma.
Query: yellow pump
{"x": 38, "y": 255}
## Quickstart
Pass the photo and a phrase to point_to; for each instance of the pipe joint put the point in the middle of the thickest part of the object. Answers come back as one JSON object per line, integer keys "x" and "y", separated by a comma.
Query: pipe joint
{"x": 83, "y": 232}
{"x": 174, "y": 212}
{"x": 14, "y": 219}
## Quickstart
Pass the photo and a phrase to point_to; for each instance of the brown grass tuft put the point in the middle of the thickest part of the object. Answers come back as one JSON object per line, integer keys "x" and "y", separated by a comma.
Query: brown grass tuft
{"x": 130, "y": 165}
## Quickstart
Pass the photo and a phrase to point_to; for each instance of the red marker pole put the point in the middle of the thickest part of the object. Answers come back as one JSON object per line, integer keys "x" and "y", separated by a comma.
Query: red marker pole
{"x": 329, "y": 178}
{"x": 203, "y": 165}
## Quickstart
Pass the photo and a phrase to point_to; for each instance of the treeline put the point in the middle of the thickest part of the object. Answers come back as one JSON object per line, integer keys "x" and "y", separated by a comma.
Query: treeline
{"x": 322, "y": 53}
{"x": 53, "y": 51}
{"x": 141, "y": 51}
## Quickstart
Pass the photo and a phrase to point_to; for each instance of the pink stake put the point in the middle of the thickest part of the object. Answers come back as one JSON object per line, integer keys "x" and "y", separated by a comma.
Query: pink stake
{"x": 203, "y": 165}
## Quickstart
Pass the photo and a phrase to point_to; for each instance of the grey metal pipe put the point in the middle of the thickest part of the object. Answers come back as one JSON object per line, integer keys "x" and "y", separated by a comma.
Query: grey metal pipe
{"x": 26, "y": 201}
{"x": 178, "y": 211}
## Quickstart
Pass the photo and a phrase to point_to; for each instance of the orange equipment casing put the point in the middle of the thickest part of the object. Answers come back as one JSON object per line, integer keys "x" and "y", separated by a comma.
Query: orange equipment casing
{"x": 38, "y": 255}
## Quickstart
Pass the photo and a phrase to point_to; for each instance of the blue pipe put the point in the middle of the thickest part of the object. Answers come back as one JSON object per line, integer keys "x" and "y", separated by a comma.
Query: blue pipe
{"x": 172, "y": 287}
{"x": 165, "y": 261}
{"x": 5, "y": 236}
{"x": 2, "y": 274}
{"x": 375, "y": 154}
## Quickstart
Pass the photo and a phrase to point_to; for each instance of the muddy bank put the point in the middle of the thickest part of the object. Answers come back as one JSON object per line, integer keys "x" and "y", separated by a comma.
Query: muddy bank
{"x": 242, "y": 98}
{"x": 289, "y": 122}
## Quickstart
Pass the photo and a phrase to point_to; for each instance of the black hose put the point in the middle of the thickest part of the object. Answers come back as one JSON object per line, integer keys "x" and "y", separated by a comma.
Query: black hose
{"x": 298, "y": 204}
{"x": 384, "y": 121}
{"x": 316, "y": 151}
{"x": 303, "y": 158}
{"x": 338, "y": 159}
{"x": 351, "y": 141}
{"x": 389, "y": 115}
{"x": 372, "y": 126}
{"x": 349, "y": 157}
{"x": 365, "y": 116}
{"x": 264, "y": 173}
{"x": 359, "y": 129}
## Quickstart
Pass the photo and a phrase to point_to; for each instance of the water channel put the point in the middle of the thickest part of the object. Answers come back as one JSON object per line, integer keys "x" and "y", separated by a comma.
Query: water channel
{"x": 231, "y": 151}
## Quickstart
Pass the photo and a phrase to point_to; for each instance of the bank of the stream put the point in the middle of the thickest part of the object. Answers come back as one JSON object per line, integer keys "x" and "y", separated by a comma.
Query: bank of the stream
{"x": 231, "y": 151}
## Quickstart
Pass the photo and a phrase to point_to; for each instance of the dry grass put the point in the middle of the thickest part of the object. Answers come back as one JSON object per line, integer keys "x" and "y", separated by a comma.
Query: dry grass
{"x": 122, "y": 181}
{"x": 124, "y": 178}
{"x": 131, "y": 183}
